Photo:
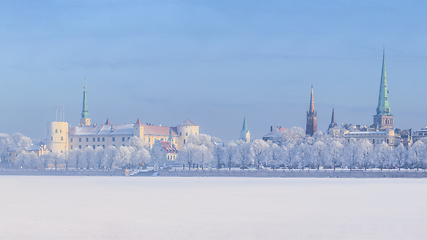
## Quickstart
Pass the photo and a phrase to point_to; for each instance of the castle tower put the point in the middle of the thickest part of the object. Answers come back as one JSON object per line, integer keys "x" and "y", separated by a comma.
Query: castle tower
{"x": 311, "y": 127}
{"x": 138, "y": 129}
{"x": 57, "y": 136}
{"x": 85, "y": 120}
{"x": 383, "y": 119}
{"x": 245, "y": 134}
{"x": 186, "y": 129}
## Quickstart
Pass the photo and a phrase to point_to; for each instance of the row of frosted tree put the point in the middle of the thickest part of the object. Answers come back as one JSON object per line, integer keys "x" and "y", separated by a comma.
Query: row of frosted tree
{"x": 293, "y": 150}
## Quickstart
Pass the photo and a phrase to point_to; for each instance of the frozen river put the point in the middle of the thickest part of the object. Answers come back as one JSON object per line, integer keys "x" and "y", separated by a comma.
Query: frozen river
{"x": 211, "y": 208}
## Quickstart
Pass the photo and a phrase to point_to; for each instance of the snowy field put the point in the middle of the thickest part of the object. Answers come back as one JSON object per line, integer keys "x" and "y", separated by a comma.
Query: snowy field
{"x": 211, "y": 208}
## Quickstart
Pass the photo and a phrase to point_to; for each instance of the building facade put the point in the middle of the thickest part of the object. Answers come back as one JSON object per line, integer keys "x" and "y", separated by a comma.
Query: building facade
{"x": 86, "y": 135}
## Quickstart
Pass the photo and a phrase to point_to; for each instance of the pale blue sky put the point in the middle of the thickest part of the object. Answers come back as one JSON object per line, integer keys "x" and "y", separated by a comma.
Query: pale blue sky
{"x": 211, "y": 62}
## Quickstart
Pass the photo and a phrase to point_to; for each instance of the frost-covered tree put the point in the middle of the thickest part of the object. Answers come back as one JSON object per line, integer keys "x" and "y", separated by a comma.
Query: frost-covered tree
{"x": 32, "y": 160}
{"x": 319, "y": 154}
{"x": 260, "y": 152}
{"x": 416, "y": 154}
{"x": 399, "y": 156}
{"x": 382, "y": 155}
{"x": 218, "y": 154}
{"x": 88, "y": 157}
{"x": 246, "y": 155}
{"x": 187, "y": 155}
{"x": 350, "y": 154}
{"x": 140, "y": 158}
{"x": 110, "y": 157}
{"x": 204, "y": 156}
{"x": 335, "y": 153}
{"x": 232, "y": 154}
{"x": 276, "y": 155}
{"x": 365, "y": 152}
{"x": 122, "y": 156}
{"x": 98, "y": 157}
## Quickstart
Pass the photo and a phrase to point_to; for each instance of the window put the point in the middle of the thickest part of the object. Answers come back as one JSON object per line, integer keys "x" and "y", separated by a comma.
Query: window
{"x": 103, "y": 139}
{"x": 60, "y": 131}
{"x": 128, "y": 138}
{"x": 388, "y": 141}
{"x": 99, "y": 139}
{"x": 378, "y": 141}
{"x": 87, "y": 145}
{"x": 373, "y": 140}
{"x": 62, "y": 138}
{"x": 71, "y": 140}
{"x": 80, "y": 146}
{"x": 149, "y": 139}
{"x": 93, "y": 140}
{"x": 80, "y": 139}
{"x": 87, "y": 139}
{"x": 123, "y": 139}
{"x": 71, "y": 147}
{"x": 161, "y": 139}
{"x": 114, "y": 139}
{"x": 56, "y": 130}
{"x": 184, "y": 141}
{"x": 51, "y": 138}
{"x": 93, "y": 146}
{"x": 186, "y": 134}
{"x": 103, "y": 146}
{"x": 180, "y": 133}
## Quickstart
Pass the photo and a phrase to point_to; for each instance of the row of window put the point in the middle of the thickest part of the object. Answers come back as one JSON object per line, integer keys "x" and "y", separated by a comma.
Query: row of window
{"x": 51, "y": 138}
{"x": 99, "y": 139}
{"x": 93, "y": 146}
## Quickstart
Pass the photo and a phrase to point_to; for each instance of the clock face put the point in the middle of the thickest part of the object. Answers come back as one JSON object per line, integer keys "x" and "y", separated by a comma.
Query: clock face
{"x": 387, "y": 110}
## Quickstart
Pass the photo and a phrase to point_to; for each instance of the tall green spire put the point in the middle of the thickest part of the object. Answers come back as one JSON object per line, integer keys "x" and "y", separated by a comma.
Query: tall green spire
{"x": 383, "y": 104}
{"x": 85, "y": 112}
{"x": 245, "y": 127}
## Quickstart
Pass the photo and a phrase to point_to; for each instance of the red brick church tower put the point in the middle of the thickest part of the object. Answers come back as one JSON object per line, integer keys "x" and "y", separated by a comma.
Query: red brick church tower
{"x": 311, "y": 117}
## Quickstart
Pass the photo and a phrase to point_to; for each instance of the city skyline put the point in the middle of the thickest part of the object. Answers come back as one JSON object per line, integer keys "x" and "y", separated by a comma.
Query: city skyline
{"x": 210, "y": 62}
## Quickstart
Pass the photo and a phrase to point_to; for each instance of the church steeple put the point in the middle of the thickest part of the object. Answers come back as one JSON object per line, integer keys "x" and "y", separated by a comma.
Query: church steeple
{"x": 333, "y": 122}
{"x": 383, "y": 119}
{"x": 245, "y": 135}
{"x": 383, "y": 107}
{"x": 85, "y": 120}
{"x": 311, "y": 126}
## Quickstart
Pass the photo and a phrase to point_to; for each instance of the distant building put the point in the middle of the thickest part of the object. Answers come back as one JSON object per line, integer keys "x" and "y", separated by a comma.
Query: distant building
{"x": 311, "y": 127}
{"x": 276, "y": 135}
{"x": 333, "y": 129}
{"x": 86, "y": 135}
{"x": 245, "y": 135}
{"x": 383, "y": 119}
{"x": 382, "y": 129}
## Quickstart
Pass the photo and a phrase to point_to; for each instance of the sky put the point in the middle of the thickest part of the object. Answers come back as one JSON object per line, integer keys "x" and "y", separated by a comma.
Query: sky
{"x": 212, "y": 62}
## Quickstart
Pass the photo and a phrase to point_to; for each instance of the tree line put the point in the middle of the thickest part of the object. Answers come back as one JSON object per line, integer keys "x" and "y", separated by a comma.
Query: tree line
{"x": 293, "y": 150}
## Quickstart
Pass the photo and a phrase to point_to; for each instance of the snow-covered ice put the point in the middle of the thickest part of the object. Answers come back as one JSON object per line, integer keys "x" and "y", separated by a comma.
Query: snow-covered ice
{"x": 211, "y": 208}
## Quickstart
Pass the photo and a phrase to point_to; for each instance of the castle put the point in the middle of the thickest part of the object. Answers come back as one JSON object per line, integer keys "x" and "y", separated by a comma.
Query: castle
{"x": 61, "y": 138}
